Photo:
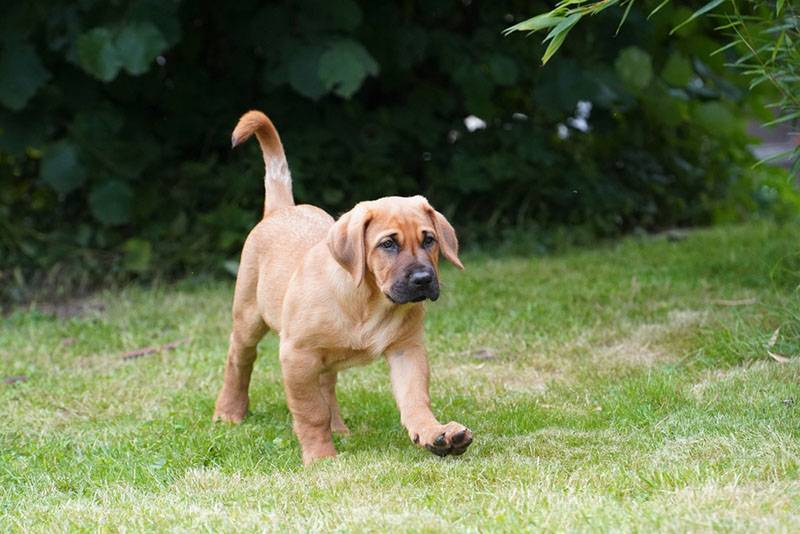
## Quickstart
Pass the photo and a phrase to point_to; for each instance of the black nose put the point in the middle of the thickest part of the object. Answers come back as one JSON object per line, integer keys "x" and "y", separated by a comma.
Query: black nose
{"x": 420, "y": 278}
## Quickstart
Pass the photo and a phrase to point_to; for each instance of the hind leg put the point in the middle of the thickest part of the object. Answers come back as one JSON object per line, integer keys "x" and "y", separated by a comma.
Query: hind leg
{"x": 327, "y": 382}
{"x": 248, "y": 329}
{"x": 233, "y": 398}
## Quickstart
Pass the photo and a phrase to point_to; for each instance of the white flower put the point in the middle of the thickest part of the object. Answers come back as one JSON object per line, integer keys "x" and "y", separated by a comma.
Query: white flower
{"x": 474, "y": 123}
{"x": 579, "y": 123}
{"x": 583, "y": 109}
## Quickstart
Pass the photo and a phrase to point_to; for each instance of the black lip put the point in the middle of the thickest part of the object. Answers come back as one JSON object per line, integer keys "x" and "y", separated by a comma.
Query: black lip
{"x": 418, "y": 298}
{"x": 402, "y": 293}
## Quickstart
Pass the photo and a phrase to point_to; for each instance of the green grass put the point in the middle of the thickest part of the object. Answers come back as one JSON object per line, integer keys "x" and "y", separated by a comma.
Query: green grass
{"x": 626, "y": 392}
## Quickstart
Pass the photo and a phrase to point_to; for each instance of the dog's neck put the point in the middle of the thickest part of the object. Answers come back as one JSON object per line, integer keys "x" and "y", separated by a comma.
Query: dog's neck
{"x": 366, "y": 302}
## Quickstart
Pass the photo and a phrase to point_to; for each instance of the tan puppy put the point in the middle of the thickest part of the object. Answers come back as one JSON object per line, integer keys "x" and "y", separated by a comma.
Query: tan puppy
{"x": 339, "y": 294}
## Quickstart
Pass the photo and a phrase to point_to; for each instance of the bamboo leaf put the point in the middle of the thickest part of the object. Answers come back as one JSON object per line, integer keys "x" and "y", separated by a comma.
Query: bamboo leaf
{"x": 624, "y": 17}
{"x": 758, "y": 81}
{"x": 658, "y": 8}
{"x": 553, "y": 47}
{"x": 778, "y": 45}
{"x": 597, "y": 7}
{"x": 785, "y": 118}
{"x": 558, "y": 34}
{"x": 536, "y": 23}
{"x": 727, "y": 46}
{"x": 779, "y": 155}
{"x": 699, "y": 13}
{"x": 563, "y": 26}
{"x": 730, "y": 24}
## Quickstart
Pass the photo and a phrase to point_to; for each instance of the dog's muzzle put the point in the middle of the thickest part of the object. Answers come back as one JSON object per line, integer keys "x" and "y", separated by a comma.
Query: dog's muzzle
{"x": 419, "y": 284}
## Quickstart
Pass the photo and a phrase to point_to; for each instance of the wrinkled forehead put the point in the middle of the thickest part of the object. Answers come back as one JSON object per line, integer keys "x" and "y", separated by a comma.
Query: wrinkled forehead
{"x": 405, "y": 216}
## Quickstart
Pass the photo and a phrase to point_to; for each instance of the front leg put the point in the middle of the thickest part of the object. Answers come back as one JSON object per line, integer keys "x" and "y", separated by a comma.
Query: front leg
{"x": 311, "y": 415}
{"x": 409, "y": 372}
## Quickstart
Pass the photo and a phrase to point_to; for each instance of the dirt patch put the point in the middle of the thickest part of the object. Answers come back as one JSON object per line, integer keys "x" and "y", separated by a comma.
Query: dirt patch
{"x": 488, "y": 380}
{"x": 716, "y": 377}
{"x": 71, "y": 308}
{"x": 528, "y": 380}
{"x": 144, "y": 351}
{"x": 644, "y": 346}
{"x": 15, "y": 379}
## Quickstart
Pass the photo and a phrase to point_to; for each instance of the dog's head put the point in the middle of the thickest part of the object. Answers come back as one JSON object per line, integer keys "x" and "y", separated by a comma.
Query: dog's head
{"x": 395, "y": 241}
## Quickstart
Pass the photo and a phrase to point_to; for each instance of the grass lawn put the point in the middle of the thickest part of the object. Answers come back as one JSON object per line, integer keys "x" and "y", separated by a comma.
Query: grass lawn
{"x": 627, "y": 387}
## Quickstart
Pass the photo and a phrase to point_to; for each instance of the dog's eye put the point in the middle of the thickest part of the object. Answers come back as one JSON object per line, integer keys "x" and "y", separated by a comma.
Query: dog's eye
{"x": 428, "y": 241}
{"x": 387, "y": 244}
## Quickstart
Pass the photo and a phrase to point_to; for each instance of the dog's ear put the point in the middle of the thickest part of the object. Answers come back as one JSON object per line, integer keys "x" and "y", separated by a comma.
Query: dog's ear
{"x": 346, "y": 242}
{"x": 448, "y": 242}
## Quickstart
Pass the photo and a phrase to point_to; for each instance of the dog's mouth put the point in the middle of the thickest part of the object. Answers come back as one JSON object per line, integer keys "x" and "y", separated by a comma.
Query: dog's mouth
{"x": 399, "y": 297}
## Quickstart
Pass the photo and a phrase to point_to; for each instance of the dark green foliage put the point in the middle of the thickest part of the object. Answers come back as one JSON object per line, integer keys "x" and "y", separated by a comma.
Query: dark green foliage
{"x": 116, "y": 116}
{"x": 763, "y": 44}
{"x": 21, "y": 74}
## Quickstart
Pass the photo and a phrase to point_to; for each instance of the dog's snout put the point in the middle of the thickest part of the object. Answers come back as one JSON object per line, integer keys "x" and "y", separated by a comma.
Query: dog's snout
{"x": 422, "y": 277}
{"x": 418, "y": 282}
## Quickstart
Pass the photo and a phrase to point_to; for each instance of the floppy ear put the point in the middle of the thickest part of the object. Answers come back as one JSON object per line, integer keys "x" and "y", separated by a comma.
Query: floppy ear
{"x": 346, "y": 242}
{"x": 448, "y": 242}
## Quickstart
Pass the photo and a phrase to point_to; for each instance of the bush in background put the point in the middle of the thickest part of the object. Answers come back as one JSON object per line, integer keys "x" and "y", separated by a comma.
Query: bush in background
{"x": 115, "y": 117}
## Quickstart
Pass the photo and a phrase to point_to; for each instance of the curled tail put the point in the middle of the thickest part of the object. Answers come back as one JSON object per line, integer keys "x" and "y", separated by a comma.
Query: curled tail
{"x": 277, "y": 180}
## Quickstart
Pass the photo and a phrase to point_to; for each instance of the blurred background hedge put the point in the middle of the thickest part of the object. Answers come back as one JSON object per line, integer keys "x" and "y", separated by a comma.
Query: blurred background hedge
{"x": 115, "y": 119}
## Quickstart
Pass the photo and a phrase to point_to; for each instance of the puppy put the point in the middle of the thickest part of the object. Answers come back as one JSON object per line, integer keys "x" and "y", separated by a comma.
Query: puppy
{"x": 339, "y": 293}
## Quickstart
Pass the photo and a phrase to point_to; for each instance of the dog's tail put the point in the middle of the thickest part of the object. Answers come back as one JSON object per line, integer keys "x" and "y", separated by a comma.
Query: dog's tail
{"x": 277, "y": 180}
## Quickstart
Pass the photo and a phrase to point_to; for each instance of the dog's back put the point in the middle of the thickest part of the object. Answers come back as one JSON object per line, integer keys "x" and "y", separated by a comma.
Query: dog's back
{"x": 278, "y": 243}
{"x": 277, "y": 246}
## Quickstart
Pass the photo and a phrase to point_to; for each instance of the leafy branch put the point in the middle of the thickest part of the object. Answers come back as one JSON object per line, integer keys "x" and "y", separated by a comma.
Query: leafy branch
{"x": 767, "y": 36}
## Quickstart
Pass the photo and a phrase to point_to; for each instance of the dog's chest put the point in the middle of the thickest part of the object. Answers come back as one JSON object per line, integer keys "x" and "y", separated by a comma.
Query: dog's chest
{"x": 374, "y": 336}
{"x": 369, "y": 337}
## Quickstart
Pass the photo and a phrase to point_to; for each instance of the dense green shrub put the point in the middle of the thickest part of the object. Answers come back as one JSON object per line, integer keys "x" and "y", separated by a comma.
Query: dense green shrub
{"x": 115, "y": 117}
{"x": 763, "y": 34}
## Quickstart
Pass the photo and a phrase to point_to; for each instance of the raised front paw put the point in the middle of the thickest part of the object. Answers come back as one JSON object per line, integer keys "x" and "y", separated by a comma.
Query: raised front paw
{"x": 452, "y": 438}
